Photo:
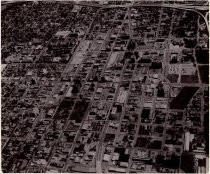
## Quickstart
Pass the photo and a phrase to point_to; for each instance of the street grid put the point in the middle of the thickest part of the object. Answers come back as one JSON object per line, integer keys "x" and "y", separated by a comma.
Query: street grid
{"x": 105, "y": 101}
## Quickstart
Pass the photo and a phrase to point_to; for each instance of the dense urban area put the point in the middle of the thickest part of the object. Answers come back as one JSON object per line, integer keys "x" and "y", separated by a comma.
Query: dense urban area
{"x": 93, "y": 88}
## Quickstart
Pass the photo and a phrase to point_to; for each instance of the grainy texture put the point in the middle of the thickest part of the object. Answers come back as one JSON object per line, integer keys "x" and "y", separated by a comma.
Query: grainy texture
{"x": 105, "y": 86}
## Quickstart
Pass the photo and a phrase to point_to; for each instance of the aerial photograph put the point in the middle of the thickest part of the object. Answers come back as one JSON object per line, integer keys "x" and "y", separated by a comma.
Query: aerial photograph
{"x": 105, "y": 86}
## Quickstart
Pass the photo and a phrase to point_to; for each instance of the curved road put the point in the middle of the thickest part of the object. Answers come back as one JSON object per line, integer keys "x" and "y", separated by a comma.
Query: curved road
{"x": 188, "y": 8}
{"x": 193, "y": 10}
{"x": 176, "y": 6}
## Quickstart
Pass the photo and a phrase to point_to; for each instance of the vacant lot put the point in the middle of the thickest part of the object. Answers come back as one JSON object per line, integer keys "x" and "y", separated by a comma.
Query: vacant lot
{"x": 189, "y": 78}
{"x": 173, "y": 78}
{"x": 202, "y": 56}
{"x": 183, "y": 98}
{"x": 204, "y": 73}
